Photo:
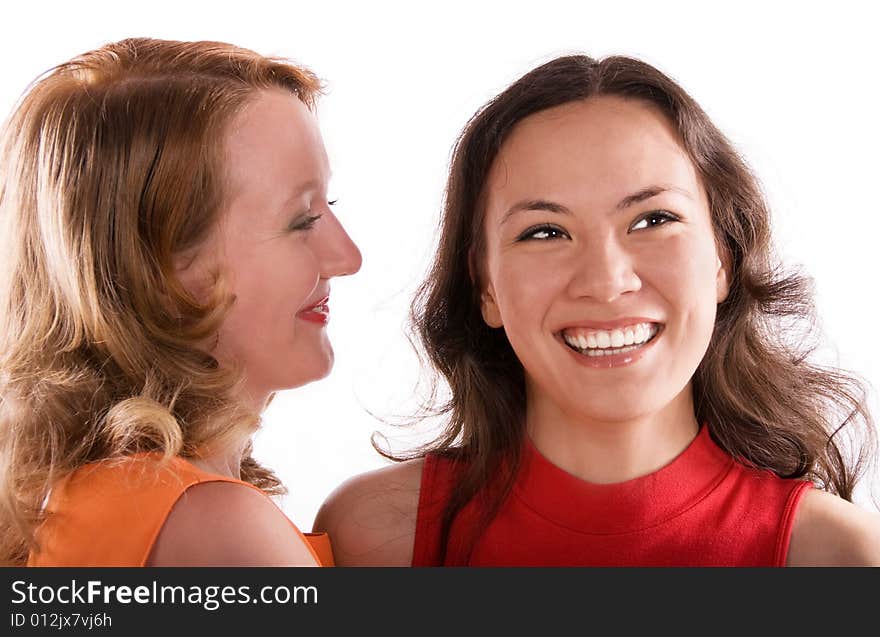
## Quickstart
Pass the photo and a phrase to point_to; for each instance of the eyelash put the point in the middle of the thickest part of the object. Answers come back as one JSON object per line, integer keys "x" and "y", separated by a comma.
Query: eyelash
{"x": 528, "y": 235}
{"x": 306, "y": 223}
{"x": 657, "y": 214}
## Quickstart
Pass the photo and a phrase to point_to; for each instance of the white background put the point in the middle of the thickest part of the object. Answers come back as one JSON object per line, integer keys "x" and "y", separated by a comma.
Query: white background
{"x": 795, "y": 89}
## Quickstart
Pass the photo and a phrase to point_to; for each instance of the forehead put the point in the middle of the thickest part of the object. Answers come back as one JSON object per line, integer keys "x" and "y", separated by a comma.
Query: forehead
{"x": 602, "y": 148}
{"x": 271, "y": 146}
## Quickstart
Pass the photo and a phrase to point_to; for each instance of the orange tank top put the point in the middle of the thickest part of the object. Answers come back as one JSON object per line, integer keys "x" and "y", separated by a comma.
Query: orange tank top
{"x": 109, "y": 513}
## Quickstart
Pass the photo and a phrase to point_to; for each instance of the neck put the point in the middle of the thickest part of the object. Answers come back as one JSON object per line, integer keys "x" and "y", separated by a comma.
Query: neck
{"x": 224, "y": 456}
{"x": 224, "y": 462}
{"x": 255, "y": 398}
{"x": 610, "y": 451}
{"x": 252, "y": 393}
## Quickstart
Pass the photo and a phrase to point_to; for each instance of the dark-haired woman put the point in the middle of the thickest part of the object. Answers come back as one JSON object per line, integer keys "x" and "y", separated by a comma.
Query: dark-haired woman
{"x": 604, "y": 306}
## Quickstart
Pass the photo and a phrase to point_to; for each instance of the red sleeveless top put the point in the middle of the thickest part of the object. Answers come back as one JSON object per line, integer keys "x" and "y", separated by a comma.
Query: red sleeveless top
{"x": 702, "y": 509}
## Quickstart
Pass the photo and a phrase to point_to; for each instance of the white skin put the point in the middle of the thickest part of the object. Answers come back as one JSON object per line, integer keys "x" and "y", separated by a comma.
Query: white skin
{"x": 277, "y": 244}
{"x": 583, "y": 256}
{"x": 602, "y": 254}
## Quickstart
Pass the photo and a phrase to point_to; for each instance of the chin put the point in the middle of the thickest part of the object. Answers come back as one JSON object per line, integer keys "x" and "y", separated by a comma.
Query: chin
{"x": 616, "y": 411}
{"x": 305, "y": 376}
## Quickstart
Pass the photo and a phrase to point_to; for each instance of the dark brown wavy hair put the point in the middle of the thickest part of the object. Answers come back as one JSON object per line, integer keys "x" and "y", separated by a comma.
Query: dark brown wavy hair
{"x": 765, "y": 403}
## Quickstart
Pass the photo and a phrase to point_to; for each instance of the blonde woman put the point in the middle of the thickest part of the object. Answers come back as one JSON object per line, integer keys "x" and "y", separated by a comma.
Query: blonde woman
{"x": 167, "y": 250}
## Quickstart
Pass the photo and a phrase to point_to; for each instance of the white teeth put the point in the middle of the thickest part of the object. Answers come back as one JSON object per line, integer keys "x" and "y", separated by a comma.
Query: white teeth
{"x": 606, "y": 342}
{"x": 611, "y": 352}
{"x": 639, "y": 334}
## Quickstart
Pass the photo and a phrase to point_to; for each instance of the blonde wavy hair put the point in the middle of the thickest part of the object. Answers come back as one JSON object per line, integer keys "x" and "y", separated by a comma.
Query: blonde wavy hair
{"x": 112, "y": 166}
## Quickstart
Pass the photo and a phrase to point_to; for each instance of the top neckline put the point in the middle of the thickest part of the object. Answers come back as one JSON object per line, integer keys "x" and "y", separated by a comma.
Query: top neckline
{"x": 622, "y": 507}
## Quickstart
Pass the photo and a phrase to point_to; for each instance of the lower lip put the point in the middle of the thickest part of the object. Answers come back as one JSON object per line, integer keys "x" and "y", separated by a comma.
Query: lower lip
{"x": 321, "y": 318}
{"x": 615, "y": 360}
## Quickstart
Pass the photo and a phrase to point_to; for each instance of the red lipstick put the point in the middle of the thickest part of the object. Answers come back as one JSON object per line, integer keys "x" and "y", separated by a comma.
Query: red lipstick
{"x": 318, "y": 313}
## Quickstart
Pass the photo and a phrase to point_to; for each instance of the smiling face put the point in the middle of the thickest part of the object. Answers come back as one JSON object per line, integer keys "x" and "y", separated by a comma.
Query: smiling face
{"x": 600, "y": 260}
{"x": 277, "y": 244}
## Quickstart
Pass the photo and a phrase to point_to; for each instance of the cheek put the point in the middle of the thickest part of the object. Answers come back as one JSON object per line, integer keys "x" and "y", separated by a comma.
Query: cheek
{"x": 269, "y": 288}
{"x": 526, "y": 287}
{"x": 277, "y": 276}
{"x": 685, "y": 276}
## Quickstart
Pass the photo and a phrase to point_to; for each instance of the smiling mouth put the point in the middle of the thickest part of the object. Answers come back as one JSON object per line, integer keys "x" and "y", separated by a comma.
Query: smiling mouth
{"x": 317, "y": 313}
{"x": 320, "y": 308}
{"x": 598, "y": 343}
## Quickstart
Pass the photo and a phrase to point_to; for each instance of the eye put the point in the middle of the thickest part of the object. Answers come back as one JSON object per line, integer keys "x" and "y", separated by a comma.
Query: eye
{"x": 332, "y": 203}
{"x": 652, "y": 219}
{"x": 303, "y": 223}
{"x": 544, "y": 232}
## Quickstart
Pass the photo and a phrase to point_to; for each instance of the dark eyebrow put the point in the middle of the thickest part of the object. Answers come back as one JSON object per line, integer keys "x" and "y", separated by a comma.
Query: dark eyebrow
{"x": 647, "y": 193}
{"x": 535, "y": 204}
{"x": 626, "y": 202}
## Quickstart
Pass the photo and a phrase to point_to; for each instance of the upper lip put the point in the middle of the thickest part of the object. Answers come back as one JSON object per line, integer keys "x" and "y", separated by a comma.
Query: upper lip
{"x": 321, "y": 301}
{"x": 608, "y": 325}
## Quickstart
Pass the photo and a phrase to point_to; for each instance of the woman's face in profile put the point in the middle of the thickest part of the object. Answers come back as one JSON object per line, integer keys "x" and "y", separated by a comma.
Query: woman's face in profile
{"x": 279, "y": 244}
{"x": 600, "y": 263}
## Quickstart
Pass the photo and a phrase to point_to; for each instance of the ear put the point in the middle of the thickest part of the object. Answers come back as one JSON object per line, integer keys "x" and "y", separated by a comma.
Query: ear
{"x": 722, "y": 275}
{"x": 187, "y": 269}
{"x": 489, "y": 308}
{"x": 192, "y": 269}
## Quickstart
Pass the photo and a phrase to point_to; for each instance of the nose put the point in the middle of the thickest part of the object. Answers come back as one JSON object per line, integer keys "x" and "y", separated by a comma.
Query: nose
{"x": 339, "y": 254}
{"x": 603, "y": 271}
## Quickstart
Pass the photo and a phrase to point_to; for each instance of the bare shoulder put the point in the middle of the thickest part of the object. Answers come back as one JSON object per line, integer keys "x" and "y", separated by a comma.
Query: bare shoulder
{"x": 830, "y": 531}
{"x": 228, "y": 524}
{"x": 371, "y": 518}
